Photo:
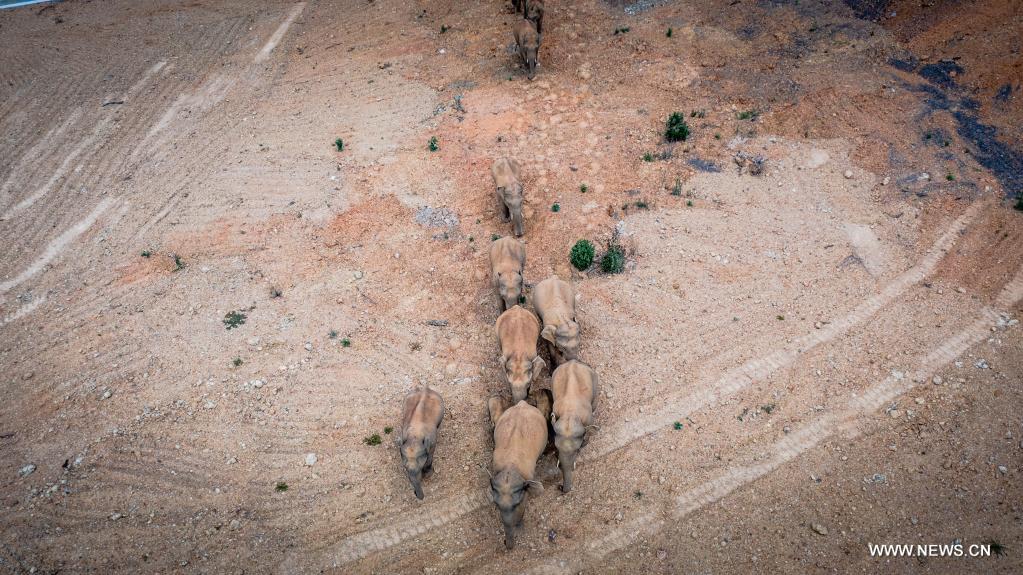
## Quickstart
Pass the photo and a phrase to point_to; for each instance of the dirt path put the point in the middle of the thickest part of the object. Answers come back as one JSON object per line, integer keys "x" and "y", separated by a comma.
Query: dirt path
{"x": 794, "y": 364}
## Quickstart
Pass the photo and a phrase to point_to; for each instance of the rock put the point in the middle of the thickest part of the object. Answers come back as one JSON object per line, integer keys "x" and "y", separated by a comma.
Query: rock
{"x": 982, "y": 364}
{"x": 357, "y": 275}
{"x": 256, "y": 383}
{"x": 115, "y": 516}
{"x": 961, "y": 289}
{"x": 1003, "y": 469}
{"x": 937, "y": 380}
{"x": 310, "y": 459}
{"x": 885, "y": 181}
{"x": 235, "y": 524}
{"x": 584, "y": 71}
{"x": 848, "y": 174}
{"x": 819, "y": 529}
{"x": 27, "y": 470}
{"x": 308, "y": 346}
{"x": 107, "y": 394}
{"x": 253, "y": 341}
{"x": 28, "y": 375}
{"x": 920, "y": 401}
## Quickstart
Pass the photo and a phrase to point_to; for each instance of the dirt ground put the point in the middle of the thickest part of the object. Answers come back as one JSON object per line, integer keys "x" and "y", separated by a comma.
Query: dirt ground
{"x": 794, "y": 364}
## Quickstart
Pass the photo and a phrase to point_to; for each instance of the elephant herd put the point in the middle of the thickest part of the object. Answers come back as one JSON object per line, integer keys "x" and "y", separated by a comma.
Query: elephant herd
{"x": 523, "y": 424}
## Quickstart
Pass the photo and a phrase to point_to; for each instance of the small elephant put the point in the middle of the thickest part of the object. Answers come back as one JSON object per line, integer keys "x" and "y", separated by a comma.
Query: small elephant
{"x": 422, "y": 412}
{"x": 534, "y": 13}
{"x": 509, "y": 191}
{"x": 528, "y": 41}
{"x": 554, "y": 300}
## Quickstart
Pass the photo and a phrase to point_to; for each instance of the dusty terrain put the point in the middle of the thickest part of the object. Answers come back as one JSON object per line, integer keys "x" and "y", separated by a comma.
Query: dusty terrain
{"x": 836, "y": 337}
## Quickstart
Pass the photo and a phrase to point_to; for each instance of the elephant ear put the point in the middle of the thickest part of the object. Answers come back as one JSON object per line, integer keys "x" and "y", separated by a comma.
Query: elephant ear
{"x": 535, "y": 487}
{"x": 548, "y": 333}
{"x": 538, "y": 365}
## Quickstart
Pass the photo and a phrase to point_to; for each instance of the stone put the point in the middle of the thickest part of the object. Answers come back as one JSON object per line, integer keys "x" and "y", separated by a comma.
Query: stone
{"x": 310, "y": 459}
{"x": 819, "y": 529}
{"x": 26, "y": 470}
{"x": 848, "y": 174}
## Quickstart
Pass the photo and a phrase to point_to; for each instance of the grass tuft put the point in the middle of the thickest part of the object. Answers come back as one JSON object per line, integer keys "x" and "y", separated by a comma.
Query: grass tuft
{"x": 388, "y": 430}
{"x": 556, "y": 207}
{"x": 237, "y": 361}
{"x": 432, "y": 146}
{"x": 281, "y": 487}
{"x": 339, "y": 144}
{"x": 373, "y": 439}
{"x": 346, "y": 342}
{"x": 613, "y": 261}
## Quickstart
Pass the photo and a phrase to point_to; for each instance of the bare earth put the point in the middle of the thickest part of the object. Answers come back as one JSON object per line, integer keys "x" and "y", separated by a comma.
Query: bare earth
{"x": 835, "y": 337}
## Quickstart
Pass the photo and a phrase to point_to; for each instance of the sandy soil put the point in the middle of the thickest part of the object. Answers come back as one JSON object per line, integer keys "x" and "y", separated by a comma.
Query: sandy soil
{"x": 836, "y": 336}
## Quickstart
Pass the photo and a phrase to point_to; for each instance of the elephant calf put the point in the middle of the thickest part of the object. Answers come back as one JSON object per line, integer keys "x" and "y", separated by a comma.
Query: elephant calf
{"x": 534, "y": 13}
{"x": 575, "y": 388}
{"x": 520, "y": 436}
{"x": 422, "y": 412}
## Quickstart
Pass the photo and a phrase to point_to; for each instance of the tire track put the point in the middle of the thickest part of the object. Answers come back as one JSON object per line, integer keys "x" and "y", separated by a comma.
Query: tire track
{"x": 57, "y": 246}
{"x": 278, "y": 34}
{"x": 360, "y": 545}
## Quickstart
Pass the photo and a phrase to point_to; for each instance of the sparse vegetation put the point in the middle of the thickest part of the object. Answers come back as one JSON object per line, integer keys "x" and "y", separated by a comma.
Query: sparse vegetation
{"x": 443, "y": 28}
{"x": 332, "y": 334}
{"x": 495, "y": 237}
{"x": 234, "y": 319}
{"x": 677, "y": 425}
{"x": 1019, "y": 202}
{"x": 237, "y": 362}
{"x": 522, "y": 299}
{"x": 648, "y": 157}
{"x": 749, "y": 115}
{"x": 768, "y": 408}
{"x": 781, "y": 318}
{"x": 621, "y": 30}
{"x": 146, "y": 253}
{"x": 613, "y": 261}
{"x": 638, "y": 494}
{"x": 556, "y": 207}
{"x": 677, "y": 189}
{"x": 281, "y": 487}
{"x": 668, "y": 33}
{"x": 433, "y": 147}
{"x": 689, "y": 203}
{"x": 346, "y": 342}
{"x": 698, "y": 114}
{"x": 642, "y": 205}
{"x": 339, "y": 144}
{"x": 388, "y": 430}
{"x": 274, "y": 292}
{"x": 742, "y": 416}
{"x": 717, "y": 135}
{"x": 676, "y": 130}
{"x": 950, "y": 177}
{"x": 373, "y": 439}
{"x": 583, "y": 188}
{"x": 582, "y": 254}
{"x": 178, "y": 264}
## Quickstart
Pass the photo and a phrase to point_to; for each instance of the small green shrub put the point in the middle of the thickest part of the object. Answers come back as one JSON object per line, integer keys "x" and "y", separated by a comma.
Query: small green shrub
{"x": 950, "y": 177}
{"x": 677, "y": 425}
{"x": 388, "y": 430}
{"x": 668, "y": 34}
{"x": 677, "y": 189}
{"x": 676, "y": 130}
{"x": 346, "y": 342}
{"x": 621, "y": 30}
{"x": 495, "y": 237}
{"x": 443, "y": 28}
{"x": 768, "y": 408}
{"x": 698, "y": 114}
{"x": 281, "y": 487}
{"x": 583, "y": 188}
{"x": 556, "y": 207}
{"x": 582, "y": 254}
{"x": 275, "y": 292}
{"x": 146, "y": 253}
{"x": 642, "y": 205}
{"x": 717, "y": 136}
{"x": 332, "y": 334}
{"x": 749, "y": 115}
{"x": 178, "y": 264}
{"x": 613, "y": 261}
{"x": 237, "y": 361}
{"x": 339, "y": 144}
{"x": 373, "y": 439}
{"x": 648, "y": 157}
{"x": 689, "y": 203}
{"x": 433, "y": 144}
{"x": 1019, "y": 202}
{"x": 234, "y": 319}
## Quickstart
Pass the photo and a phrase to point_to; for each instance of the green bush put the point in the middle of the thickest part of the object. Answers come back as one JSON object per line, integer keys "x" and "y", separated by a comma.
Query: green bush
{"x": 613, "y": 261}
{"x": 582, "y": 255}
{"x": 677, "y": 130}
{"x": 339, "y": 144}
